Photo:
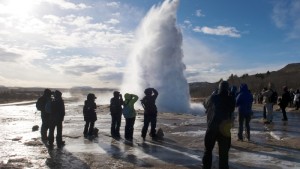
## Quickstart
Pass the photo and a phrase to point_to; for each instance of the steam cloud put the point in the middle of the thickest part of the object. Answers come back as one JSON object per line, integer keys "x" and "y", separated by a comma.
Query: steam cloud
{"x": 156, "y": 60}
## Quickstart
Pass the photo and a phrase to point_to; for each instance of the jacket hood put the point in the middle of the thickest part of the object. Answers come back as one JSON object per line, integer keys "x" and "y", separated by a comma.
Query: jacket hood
{"x": 243, "y": 88}
{"x": 127, "y": 96}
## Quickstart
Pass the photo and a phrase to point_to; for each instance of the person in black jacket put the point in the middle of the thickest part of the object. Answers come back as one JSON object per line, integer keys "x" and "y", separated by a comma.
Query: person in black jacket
{"x": 116, "y": 114}
{"x": 90, "y": 116}
{"x": 56, "y": 119}
{"x": 40, "y": 105}
{"x": 150, "y": 112}
{"x": 219, "y": 108}
{"x": 285, "y": 100}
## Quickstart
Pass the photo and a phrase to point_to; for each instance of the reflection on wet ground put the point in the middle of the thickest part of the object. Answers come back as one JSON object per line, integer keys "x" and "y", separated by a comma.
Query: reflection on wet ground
{"x": 272, "y": 146}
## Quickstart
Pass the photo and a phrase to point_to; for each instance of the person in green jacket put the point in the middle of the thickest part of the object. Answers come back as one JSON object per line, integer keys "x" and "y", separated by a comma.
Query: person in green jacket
{"x": 129, "y": 114}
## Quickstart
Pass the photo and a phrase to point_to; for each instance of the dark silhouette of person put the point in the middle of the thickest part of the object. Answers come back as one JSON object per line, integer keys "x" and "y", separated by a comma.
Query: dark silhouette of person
{"x": 56, "y": 119}
{"x": 150, "y": 112}
{"x": 41, "y": 105}
{"x": 129, "y": 115}
{"x": 116, "y": 114}
{"x": 90, "y": 116}
{"x": 244, "y": 102}
{"x": 219, "y": 108}
{"x": 284, "y": 102}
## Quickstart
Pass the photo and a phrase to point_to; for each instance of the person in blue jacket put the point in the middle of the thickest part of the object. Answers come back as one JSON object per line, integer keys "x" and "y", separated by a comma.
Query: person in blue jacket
{"x": 244, "y": 104}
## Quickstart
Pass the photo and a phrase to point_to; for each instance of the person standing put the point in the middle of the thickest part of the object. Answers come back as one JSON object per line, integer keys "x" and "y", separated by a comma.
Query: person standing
{"x": 244, "y": 103}
{"x": 41, "y": 105}
{"x": 116, "y": 114}
{"x": 268, "y": 103}
{"x": 90, "y": 116}
{"x": 297, "y": 99}
{"x": 56, "y": 119}
{"x": 150, "y": 112}
{"x": 264, "y": 107}
{"x": 129, "y": 115}
{"x": 219, "y": 108}
{"x": 284, "y": 102}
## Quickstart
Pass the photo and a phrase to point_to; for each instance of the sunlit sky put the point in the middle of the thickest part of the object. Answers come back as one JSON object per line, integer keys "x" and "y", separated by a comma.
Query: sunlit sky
{"x": 65, "y": 43}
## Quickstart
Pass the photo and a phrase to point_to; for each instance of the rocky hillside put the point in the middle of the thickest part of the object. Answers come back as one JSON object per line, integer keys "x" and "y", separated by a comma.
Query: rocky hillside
{"x": 287, "y": 76}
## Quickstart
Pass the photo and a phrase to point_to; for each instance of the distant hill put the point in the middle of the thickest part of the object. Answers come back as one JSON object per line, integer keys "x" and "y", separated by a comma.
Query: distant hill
{"x": 287, "y": 76}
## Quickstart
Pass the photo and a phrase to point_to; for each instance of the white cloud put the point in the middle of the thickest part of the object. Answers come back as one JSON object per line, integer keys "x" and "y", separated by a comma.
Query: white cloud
{"x": 279, "y": 15}
{"x": 113, "y": 21}
{"x": 205, "y": 63}
{"x": 117, "y": 14}
{"x": 199, "y": 13}
{"x": 201, "y": 60}
{"x": 46, "y": 45}
{"x": 286, "y": 16}
{"x": 113, "y": 4}
{"x": 187, "y": 24}
{"x": 219, "y": 30}
{"x": 67, "y": 5}
{"x": 7, "y": 56}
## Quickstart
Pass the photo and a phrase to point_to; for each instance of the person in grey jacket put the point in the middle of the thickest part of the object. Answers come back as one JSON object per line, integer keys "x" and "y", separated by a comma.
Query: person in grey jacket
{"x": 267, "y": 103}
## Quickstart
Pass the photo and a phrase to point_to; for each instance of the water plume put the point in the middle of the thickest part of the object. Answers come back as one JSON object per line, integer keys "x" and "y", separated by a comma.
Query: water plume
{"x": 156, "y": 60}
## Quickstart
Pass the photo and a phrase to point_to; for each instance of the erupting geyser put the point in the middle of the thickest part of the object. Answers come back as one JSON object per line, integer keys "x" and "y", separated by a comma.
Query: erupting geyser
{"x": 156, "y": 60}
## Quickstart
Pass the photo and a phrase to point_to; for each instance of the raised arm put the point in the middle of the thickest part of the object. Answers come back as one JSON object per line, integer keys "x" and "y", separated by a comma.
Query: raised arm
{"x": 155, "y": 93}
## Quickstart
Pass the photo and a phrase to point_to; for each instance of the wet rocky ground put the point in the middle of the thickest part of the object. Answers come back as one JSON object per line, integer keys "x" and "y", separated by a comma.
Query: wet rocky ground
{"x": 273, "y": 146}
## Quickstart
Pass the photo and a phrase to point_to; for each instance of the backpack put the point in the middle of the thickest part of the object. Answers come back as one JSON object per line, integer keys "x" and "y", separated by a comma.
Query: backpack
{"x": 49, "y": 106}
{"x": 40, "y": 104}
{"x": 274, "y": 97}
{"x": 126, "y": 111}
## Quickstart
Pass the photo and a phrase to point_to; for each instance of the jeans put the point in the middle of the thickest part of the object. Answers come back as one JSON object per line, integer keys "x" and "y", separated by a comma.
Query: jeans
{"x": 269, "y": 110}
{"x": 149, "y": 119}
{"x": 115, "y": 125}
{"x": 129, "y": 127}
{"x": 247, "y": 119}
{"x": 45, "y": 125}
{"x": 58, "y": 126}
{"x": 88, "y": 128}
{"x": 283, "y": 112}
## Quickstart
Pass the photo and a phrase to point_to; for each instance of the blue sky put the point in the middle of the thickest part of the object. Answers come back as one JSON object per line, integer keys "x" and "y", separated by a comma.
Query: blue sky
{"x": 65, "y": 43}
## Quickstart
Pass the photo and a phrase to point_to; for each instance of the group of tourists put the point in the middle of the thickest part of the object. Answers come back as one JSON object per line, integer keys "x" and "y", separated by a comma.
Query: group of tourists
{"x": 52, "y": 110}
{"x": 220, "y": 108}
